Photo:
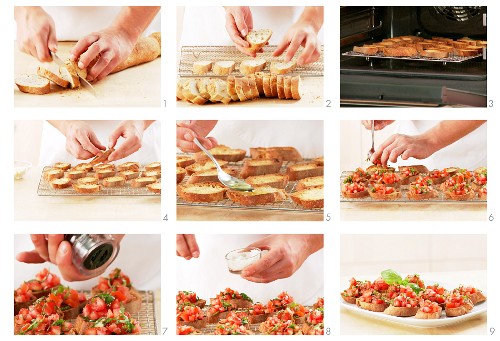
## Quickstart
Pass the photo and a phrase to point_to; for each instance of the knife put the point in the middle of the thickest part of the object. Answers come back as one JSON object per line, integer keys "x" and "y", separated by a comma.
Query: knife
{"x": 86, "y": 83}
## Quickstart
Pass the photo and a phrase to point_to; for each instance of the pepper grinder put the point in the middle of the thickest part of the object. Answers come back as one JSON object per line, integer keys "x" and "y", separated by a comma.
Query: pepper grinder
{"x": 92, "y": 253}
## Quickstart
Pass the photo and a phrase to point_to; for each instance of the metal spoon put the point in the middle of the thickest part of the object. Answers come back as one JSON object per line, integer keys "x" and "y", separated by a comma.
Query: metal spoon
{"x": 226, "y": 179}
{"x": 372, "y": 150}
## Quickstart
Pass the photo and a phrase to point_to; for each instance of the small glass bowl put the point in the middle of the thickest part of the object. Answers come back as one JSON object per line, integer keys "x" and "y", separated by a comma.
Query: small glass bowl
{"x": 20, "y": 169}
{"x": 239, "y": 259}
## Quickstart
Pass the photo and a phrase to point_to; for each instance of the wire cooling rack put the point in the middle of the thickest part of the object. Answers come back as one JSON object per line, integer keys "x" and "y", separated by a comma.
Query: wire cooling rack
{"x": 450, "y": 59}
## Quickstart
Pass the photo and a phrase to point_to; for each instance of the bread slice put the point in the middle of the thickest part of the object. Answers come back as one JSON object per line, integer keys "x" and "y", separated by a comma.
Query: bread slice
{"x": 303, "y": 170}
{"x": 84, "y": 166}
{"x": 62, "y": 165}
{"x": 210, "y": 175}
{"x": 251, "y": 66}
{"x": 202, "y": 84}
{"x": 266, "y": 84}
{"x": 280, "y": 153}
{"x": 258, "y": 39}
{"x": 280, "y": 68}
{"x": 372, "y": 306}
{"x": 400, "y": 51}
{"x": 153, "y": 166}
{"x": 180, "y": 174}
{"x": 33, "y": 84}
{"x": 280, "y": 84}
{"x": 103, "y": 166}
{"x": 155, "y": 187}
{"x": 247, "y": 90}
{"x": 309, "y": 198}
{"x": 273, "y": 180}
{"x": 313, "y": 181}
{"x": 259, "y": 196}
{"x": 69, "y": 73}
{"x": 82, "y": 73}
{"x": 238, "y": 86}
{"x": 202, "y": 67}
{"x": 134, "y": 166}
{"x": 55, "y": 78}
{"x": 467, "y": 52}
{"x": 217, "y": 89}
{"x": 320, "y": 161}
{"x": 222, "y": 152}
{"x": 223, "y": 67}
{"x": 86, "y": 188}
{"x": 192, "y": 93}
{"x": 367, "y": 49}
{"x": 260, "y": 167}
{"x": 260, "y": 83}
{"x": 114, "y": 181}
{"x": 88, "y": 180}
{"x": 202, "y": 192}
{"x": 179, "y": 93}
{"x": 288, "y": 87}
{"x": 231, "y": 88}
{"x": 253, "y": 86}
{"x": 142, "y": 182}
{"x": 296, "y": 87}
{"x": 198, "y": 167}
{"x": 274, "y": 85}
{"x": 129, "y": 175}
{"x": 104, "y": 173}
{"x": 432, "y": 53}
{"x": 75, "y": 174}
{"x": 401, "y": 311}
{"x": 152, "y": 173}
{"x": 60, "y": 183}
{"x": 184, "y": 161}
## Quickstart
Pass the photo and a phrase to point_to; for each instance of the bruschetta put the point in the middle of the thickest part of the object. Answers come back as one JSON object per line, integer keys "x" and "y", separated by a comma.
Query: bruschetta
{"x": 378, "y": 167}
{"x": 191, "y": 315}
{"x": 280, "y": 324}
{"x": 190, "y": 297}
{"x": 428, "y": 310}
{"x": 259, "y": 312}
{"x": 314, "y": 323}
{"x": 476, "y": 296}
{"x": 355, "y": 290}
{"x": 408, "y": 174}
{"x": 372, "y": 300}
{"x": 320, "y": 303}
{"x": 354, "y": 190}
{"x": 384, "y": 177}
{"x": 434, "y": 293}
{"x": 118, "y": 282}
{"x": 421, "y": 189}
{"x": 299, "y": 312}
{"x": 457, "y": 188}
{"x": 415, "y": 278}
{"x": 282, "y": 301}
{"x": 31, "y": 290}
{"x": 438, "y": 176}
{"x": 457, "y": 304}
{"x": 483, "y": 192}
{"x": 403, "y": 305}
{"x": 224, "y": 302}
{"x": 383, "y": 192}
{"x": 236, "y": 323}
{"x": 480, "y": 178}
{"x": 70, "y": 301}
{"x": 186, "y": 330}
{"x": 358, "y": 176}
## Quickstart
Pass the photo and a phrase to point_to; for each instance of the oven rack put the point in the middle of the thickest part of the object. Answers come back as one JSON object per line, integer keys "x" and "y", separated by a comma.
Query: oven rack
{"x": 451, "y": 59}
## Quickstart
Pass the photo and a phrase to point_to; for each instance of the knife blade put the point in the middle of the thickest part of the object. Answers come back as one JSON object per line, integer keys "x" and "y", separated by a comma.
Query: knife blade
{"x": 56, "y": 58}
{"x": 86, "y": 84}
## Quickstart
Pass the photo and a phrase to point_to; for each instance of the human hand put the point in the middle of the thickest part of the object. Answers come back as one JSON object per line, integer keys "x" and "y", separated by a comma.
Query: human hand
{"x": 81, "y": 141}
{"x": 112, "y": 46}
{"x": 239, "y": 22}
{"x": 418, "y": 147}
{"x": 187, "y": 247}
{"x": 36, "y": 32}
{"x": 300, "y": 34}
{"x": 188, "y": 130}
{"x": 53, "y": 248}
{"x": 132, "y": 132}
{"x": 379, "y": 125}
{"x": 286, "y": 253}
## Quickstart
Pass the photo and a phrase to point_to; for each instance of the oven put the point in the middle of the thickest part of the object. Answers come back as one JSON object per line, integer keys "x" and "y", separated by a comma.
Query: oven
{"x": 378, "y": 80}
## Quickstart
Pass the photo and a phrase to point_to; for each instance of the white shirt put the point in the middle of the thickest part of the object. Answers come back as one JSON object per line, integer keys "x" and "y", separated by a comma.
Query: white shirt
{"x": 53, "y": 146}
{"x": 208, "y": 274}
{"x": 212, "y": 20}
{"x": 469, "y": 152}
{"x": 143, "y": 268}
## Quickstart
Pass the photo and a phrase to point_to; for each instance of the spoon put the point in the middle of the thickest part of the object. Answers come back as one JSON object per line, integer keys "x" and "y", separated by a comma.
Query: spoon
{"x": 372, "y": 150}
{"x": 226, "y": 179}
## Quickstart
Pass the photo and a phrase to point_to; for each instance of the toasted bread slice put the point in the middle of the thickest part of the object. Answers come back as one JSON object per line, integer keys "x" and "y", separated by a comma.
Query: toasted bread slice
{"x": 313, "y": 181}
{"x": 258, "y": 39}
{"x": 53, "y": 173}
{"x": 320, "y": 161}
{"x": 198, "y": 324}
{"x": 184, "y": 160}
{"x": 260, "y": 167}
{"x": 129, "y": 166}
{"x": 401, "y": 311}
{"x": 372, "y": 306}
{"x": 53, "y": 77}
{"x": 378, "y": 196}
{"x": 216, "y": 317}
{"x": 259, "y": 196}
{"x": 202, "y": 192}
{"x": 86, "y": 188}
{"x": 60, "y": 183}
{"x": 452, "y": 196}
{"x": 423, "y": 196}
{"x": 84, "y": 166}
{"x": 180, "y": 173}
{"x": 75, "y": 174}
{"x": 222, "y": 152}
{"x": 88, "y": 180}
{"x": 309, "y": 198}
{"x": 33, "y": 84}
{"x": 62, "y": 165}
{"x": 428, "y": 316}
{"x": 152, "y": 173}
{"x": 434, "y": 53}
{"x": 103, "y": 166}
{"x": 280, "y": 153}
{"x": 459, "y": 311}
{"x": 210, "y": 175}
{"x": 103, "y": 157}
{"x": 155, "y": 187}
{"x": 303, "y": 170}
{"x": 273, "y": 180}
{"x": 280, "y": 68}
{"x": 104, "y": 173}
{"x": 114, "y": 181}
{"x": 142, "y": 182}
{"x": 251, "y": 66}
{"x": 130, "y": 174}
{"x": 198, "y": 167}
{"x": 202, "y": 67}
{"x": 366, "y": 49}
{"x": 223, "y": 67}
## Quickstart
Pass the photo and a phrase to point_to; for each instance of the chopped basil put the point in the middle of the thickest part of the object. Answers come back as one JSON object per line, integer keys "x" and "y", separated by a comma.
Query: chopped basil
{"x": 246, "y": 297}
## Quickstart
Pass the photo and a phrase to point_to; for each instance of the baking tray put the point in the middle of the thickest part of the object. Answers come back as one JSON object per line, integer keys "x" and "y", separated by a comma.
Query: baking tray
{"x": 451, "y": 59}
{"x": 44, "y": 189}
{"x": 286, "y": 205}
{"x": 191, "y": 54}
{"x": 404, "y": 188}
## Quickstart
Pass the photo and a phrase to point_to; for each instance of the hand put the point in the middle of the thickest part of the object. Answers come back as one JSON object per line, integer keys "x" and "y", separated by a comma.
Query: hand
{"x": 300, "y": 34}
{"x": 187, "y": 247}
{"x": 379, "y": 125}
{"x": 188, "y": 130}
{"x": 81, "y": 141}
{"x": 132, "y": 132}
{"x": 36, "y": 33}
{"x": 112, "y": 45}
{"x": 418, "y": 147}
{"x": 53, "y": 248}
{"x": 239, "y": 22}
{"x": 286, "y": 254}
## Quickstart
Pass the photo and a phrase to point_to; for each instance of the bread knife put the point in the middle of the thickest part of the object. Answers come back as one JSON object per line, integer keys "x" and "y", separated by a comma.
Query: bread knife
{"x": 86, "y": 83}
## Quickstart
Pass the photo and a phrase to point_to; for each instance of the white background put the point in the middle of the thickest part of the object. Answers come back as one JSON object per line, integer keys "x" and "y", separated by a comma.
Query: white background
{"x": 168, "y": 114}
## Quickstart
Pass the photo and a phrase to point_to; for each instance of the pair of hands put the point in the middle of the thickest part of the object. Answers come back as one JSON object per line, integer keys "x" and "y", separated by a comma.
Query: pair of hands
{"x": 54, "y": 249}
{"x": 82, "y": 143}
{"x": 36, "y": 35}
{"x": 286, "y": 254}
{"x": 304, "y": 32}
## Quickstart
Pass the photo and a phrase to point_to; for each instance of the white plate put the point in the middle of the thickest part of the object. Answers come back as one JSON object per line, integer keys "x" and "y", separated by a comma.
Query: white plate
{"x": 419, "y": 323}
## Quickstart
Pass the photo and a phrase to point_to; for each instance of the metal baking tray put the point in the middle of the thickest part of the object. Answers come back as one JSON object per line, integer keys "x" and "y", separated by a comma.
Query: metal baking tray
{"x": 404, "y": 188}
{"x": 451, "y": 59}
{"x": 286, "y": 205}
{"x": 191, "y": 54}
{"x": 44, "y": 189}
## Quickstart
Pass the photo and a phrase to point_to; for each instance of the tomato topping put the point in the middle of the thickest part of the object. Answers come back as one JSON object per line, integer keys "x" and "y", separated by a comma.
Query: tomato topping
{"x": 436, "y": 174}
{"x": 320, "y": 303}
{"x": 405, "y": 300}
{"x": 189, "y": 313}
{"x": 406, "y": 172}
{"x": 429, "y": 307}
{"x": 186, "y": 297}
{"x": 416, "y": 280}
{"x": 184, "y": 330}
{"x": 455, "y": 300}
{"x": 372, "y": 297}
{"x": 354, "y": 188}
{"x": 275, "y": 326}
{"x": 381, "y": 189}
{"x": 44, "y": 280}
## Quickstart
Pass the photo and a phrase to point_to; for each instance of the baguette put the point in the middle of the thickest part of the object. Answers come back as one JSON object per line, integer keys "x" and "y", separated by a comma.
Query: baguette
{"x": 57, "y": 79}
{"x": 202, "y": 192}
{"x": 282, "y": 68}
{"x": 274, "y": 85}
{"x": 288, "y": 87}
{"x": 260, "y": 167}
{"x": 217, "y": 89}
{"x": 33, "y": 84}
{"x": 134, "y": 166}
{"x": 221, "y": 152}
{"x": 202, "y": 67}
{"x": 309, "y": 182}
{"x": 114, "y": 181}
{"x": 86, "y": 188}
{"x": 253, "y": 86}
{"x": 266, "y": 84}
{"x": 180, "y": 174}
{"x": 247, "y": 90}
{"x": 259, "y": 80}
{"x": 198, "y": 167}
{"x": 184, "y": 160}
{"x": 210, "y": 175}
{"x": 259, "y": 196}
{"x": 231, "y": 88}
{"x": 251, "y": 66}
{"x": 142, "y": 182}
{"x": 202, "y": 88}
{"x": 60, "y": 183}
{"x": 258, "y": 39}
{"x": 303, "y": 170}
{"x": 53, "y": 174}
{"x": 280, "y": 85}
{"x": 88, "y": 180}
{"x": 192, "y": 93}
{"x": 146, "y": 49}
{"x": 69, "y": 72}
{"x": 84, "y": 166}
{"x": 75, "y": 174}
{"x": 223, "y": 68}
{"x": 154, "y": 187}
{"x": 104, "y": 173}
{"x": 296, "y": 87}
{"x": 273, "y": 180}
{"x": 238, "y": 86}
{"x": 104, "y": 166}
{"x": 401, "y": 311}
{"x": 309, "y": 198}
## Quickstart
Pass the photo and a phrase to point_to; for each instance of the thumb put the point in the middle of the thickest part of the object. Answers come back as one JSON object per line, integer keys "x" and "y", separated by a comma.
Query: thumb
{"x": 113, "y": 138}
{"x": 52, "y": 40}
{"x": 95, "y": 141}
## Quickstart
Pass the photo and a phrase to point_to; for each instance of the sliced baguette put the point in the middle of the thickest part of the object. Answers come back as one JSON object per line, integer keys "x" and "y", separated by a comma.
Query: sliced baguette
{"x": 320, "y": 161}
{"x": 303, "y": 170}
{"x": 210, "y": 175}
{"x": 88, "y": 180}
{"x": 238, "y": 86}
{"x": 274, "y": 85}
{"x": 280, "y": 85}
{"x": 103, "y": 166}
{"x": 152, "y": 173}
{"x": 231, "y": 88}
{"x": 154, "y": 187}
{"x": 142, "y": 182}
{"x": 259, "y": 196}
{"x": 184, "y": 160}
{"x": 283, "y": 68}
{"x": 62, "y": 165}
{"x": 273, "y": 180}
{"x": 86, "y": 188}
{"x": 153, "y": 166}
{"x": 258, "y": 39}
{"x": 296, "y": 87}
{"x": 55, "y": 78}
{"x": 367, "y": 49}
{"x": 202, "y": 192}
{"x": 432, "y": 53}
{"x": 198, "y": 167}
{"x": 192, "y": 93}
{"x": 309, "y": 198}
{"x": 69, "y": 74}
{"x": 33, "y": 84}
{"x": 309, "y": 182}
{"x": 75, "y": 174}
{"x": 84, "y": 166}
{"x": 202, "y": 84}
{"x": 260, "y": 167}
{"x": 217, "y": 89}
{"x": 104, "y": 173}
{"x": 252, "y": 81}
{"x": 288, "y": 87}
{"x": 223, "y": 67}
{"x": 280, "y": 153}
{"x": 251, "y": 66}
{"x": 114, "y": 181}
{"x": 180, "y": 174}
{"x": 129, "y": 175}
{"x": 202, "y": 67}
{"x": 222, "y": 152}
{"x": 266, "y": 84}
{"x": 60, "y": 183}
{"x": 260, "y": 83}
{"x": 134, "y": 166}
{"x": 247, "y": 90}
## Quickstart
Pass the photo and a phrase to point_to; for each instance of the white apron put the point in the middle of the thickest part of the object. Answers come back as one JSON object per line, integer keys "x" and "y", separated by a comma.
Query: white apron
{"x": 208, "y": 274}
{"x": 53, "y": 146}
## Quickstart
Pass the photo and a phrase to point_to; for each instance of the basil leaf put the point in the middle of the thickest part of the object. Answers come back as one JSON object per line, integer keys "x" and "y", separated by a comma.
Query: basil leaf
{"x": 391, "y": 277}
{"x": 416, "y": 289}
